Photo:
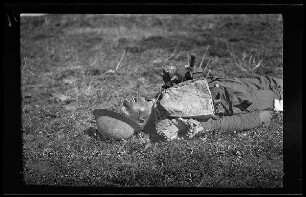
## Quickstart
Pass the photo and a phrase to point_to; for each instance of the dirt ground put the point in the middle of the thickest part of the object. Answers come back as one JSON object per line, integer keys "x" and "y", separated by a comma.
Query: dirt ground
{"x": 66, "y": 73}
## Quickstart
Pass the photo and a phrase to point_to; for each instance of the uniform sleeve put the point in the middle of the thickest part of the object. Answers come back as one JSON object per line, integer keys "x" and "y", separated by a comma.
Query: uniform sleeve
{"x": 234, "y": 123}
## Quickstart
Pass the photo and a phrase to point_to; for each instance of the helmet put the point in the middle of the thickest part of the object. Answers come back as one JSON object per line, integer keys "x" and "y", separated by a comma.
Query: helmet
{"x": 112, "y": 125}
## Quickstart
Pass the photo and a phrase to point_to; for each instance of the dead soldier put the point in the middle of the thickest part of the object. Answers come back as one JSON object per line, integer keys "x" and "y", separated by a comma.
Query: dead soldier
{"x": 191, "y": 105}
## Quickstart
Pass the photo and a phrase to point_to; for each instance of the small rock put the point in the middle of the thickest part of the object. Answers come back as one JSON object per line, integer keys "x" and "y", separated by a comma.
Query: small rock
{"x": 157, "y": 61}
{"x": 142, "y": 80}
{"x": 69, "y": 80}
{"x": 70, "y": 107}
{"x": 110, "y": 71}
{"x": 61, "y": 97}
{"x": 27, "y": 95}
{"x": 211, "y": 26}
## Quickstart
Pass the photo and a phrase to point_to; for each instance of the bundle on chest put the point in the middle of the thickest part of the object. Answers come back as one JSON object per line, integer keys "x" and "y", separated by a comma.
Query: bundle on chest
{"x": 189, "y": 99}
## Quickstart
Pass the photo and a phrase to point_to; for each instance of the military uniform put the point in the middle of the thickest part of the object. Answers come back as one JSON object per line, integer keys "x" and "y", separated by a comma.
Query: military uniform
{"x": 237, "y": 103}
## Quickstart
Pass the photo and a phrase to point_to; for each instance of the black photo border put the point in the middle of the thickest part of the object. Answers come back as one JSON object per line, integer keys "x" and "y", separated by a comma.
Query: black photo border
{"x": 12, "y": 182}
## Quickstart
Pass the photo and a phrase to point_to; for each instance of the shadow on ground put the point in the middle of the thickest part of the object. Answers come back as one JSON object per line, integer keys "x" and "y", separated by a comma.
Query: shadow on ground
{"x": 94, "y": 133}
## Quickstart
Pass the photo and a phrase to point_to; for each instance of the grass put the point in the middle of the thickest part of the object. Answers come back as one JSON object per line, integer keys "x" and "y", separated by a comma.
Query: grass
{"x": 64, "y": 64}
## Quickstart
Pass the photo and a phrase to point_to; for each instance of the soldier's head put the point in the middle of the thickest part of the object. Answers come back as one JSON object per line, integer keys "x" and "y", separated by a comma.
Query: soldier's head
{"x": 138, "y": 109}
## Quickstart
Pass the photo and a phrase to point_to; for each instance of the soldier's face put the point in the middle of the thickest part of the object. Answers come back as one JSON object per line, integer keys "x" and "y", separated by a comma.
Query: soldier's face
{"x": 138, "y": 109}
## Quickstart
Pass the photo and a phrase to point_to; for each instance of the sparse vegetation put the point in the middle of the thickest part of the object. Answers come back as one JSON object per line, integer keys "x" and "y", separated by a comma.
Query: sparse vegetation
{"x": 65, "y": 73}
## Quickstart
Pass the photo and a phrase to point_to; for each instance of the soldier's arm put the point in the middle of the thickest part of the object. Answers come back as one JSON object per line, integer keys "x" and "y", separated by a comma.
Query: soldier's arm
{"x": 171, "y": 129}
{"x": 238, "y": 122}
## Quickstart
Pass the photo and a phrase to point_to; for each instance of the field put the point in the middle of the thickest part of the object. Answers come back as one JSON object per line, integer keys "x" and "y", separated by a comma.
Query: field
{"x": 67, "y": 71}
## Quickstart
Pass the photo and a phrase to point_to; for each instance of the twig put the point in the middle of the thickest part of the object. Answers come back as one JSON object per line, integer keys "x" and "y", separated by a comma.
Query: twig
{"x": 234, "y": 58}
{"x": 250, "y": 59}
{"x": 30, "y": 72}
{"x": 24, "y": 65}
{"x": 172, "y": 53}
{"x": 241, "y": 67}
{"x": 259, "y": 64}
{"x": 208, "y": 64}
{"x": 120, "y": 60}
{"x": 89, "y": 86}
{"x": 188, "y": 55}
{"x": 37, "y": 85}
{"x": 204, "y": 56}
{"x": 170, "y": 56}
{"x": 83, "y": 75}
{"x": 244, "y": 55}
{"x": 94, "y": 62}
{"x": 208, "y": 72}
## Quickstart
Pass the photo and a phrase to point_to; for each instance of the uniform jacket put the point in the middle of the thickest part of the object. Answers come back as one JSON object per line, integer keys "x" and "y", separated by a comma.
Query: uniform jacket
{"x": 237, "y": 103}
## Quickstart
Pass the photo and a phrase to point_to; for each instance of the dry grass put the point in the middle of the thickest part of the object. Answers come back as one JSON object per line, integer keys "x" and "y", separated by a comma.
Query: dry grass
{"x": 65, "y": 59}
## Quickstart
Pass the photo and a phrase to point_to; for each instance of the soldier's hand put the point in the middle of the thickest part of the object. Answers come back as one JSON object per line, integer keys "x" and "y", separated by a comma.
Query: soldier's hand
{"x": 265, "y": 117}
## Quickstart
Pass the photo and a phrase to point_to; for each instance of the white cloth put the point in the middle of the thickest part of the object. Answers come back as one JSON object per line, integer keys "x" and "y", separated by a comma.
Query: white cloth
{"x": 278, "y": 105}
{"x": 168, "y": 129}
{"x": 171, "y": 129}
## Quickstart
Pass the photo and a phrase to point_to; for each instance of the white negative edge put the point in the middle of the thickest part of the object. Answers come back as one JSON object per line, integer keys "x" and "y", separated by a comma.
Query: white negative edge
{"x": 30, "y": 14}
